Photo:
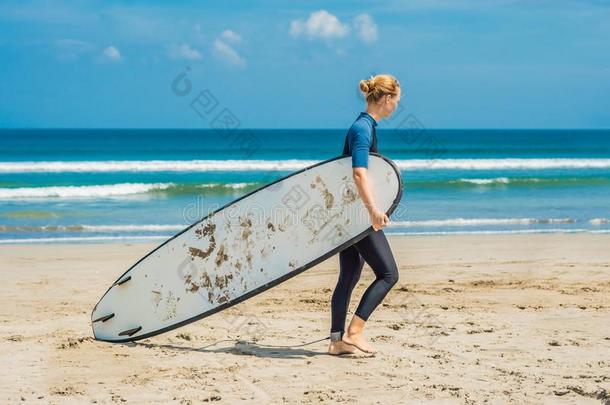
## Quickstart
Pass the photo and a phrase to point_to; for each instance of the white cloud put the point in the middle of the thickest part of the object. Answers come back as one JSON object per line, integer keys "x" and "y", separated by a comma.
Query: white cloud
{"x": 320, "y": 24}
{"x": 112, "y": 53}
{"x": 185, "y": 51}
{"x": 226, "y": 52}
{"x": 366, "y": 28}
{"x": 231, "y": 36}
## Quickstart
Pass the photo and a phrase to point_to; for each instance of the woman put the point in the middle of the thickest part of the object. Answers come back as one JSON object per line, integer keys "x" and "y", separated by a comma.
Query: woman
{"x": 382, "y": 96}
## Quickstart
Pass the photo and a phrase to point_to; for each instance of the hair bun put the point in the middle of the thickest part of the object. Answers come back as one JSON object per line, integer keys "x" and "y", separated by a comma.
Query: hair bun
{"x": 365, "y": 86}
{"x": 377, "y": 86}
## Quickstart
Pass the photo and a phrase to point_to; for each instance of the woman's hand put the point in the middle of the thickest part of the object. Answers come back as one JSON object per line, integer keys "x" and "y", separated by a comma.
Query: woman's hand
{"x": 379, "y": 219}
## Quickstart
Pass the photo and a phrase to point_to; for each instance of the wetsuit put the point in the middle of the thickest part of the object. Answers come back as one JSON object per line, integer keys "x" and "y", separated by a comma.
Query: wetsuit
{"x": 374, "y": 248}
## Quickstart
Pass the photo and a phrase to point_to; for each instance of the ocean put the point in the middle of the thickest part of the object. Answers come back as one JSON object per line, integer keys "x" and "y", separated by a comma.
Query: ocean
{"x": 90, "y": 185}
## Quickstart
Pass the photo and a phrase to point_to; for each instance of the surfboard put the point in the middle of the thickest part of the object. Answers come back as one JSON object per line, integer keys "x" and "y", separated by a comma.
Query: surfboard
{"x": 244, "y": 248}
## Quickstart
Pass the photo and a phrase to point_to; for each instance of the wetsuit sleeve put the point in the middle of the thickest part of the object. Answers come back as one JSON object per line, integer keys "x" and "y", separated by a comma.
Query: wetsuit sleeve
{"x": 360, "y": 144}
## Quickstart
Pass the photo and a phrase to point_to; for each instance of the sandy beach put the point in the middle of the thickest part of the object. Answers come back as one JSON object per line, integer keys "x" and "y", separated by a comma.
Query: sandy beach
{"x": 473, "y": 319}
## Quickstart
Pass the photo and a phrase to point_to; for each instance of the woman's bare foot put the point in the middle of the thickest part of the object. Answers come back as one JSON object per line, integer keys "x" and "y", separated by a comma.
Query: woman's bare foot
{"x": 358, "y": 340}
{"x": 354, "y": 336}
{"x": 340, "y": 347}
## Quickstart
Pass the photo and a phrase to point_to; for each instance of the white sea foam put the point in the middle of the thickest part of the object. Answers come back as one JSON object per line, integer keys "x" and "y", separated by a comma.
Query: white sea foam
{"x": 509, "y": 163}
{"x": 95, "y": 191}
{"x": 497, "y": 180}
{"x": 110, "y": 190}
{"x": 133, "y": 228}
{"x": 227, "y": 185}
{"x": 153, "y": 166}
{"x": 93, "y": 228}
{"x": 517, "y": 231}
{"x": 93, "y": 239}
{"x": 480, "y": 221}
{"x": 85, "y": 239}
{"x": 288, "y": 165}
{"x": 451, "y": 222}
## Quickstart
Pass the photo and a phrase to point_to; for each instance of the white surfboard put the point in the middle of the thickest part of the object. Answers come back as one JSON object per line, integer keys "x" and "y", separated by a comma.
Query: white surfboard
{"x": 245, "y": 248}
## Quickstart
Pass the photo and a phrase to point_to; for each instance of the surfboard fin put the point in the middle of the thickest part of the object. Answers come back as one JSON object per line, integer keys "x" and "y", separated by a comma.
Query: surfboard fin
{"x": 123, "y": 281}
{"x": 130, "y": 332}
{"x": 104, "y": 318}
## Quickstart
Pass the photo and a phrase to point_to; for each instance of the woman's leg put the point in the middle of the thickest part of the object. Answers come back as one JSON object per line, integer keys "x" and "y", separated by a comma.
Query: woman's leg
{"x": 350, "y": 268}
{"x": 376, "y": 251}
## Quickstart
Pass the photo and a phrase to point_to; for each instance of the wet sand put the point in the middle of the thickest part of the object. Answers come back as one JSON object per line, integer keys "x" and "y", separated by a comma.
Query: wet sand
{"x": 473, "y": 319}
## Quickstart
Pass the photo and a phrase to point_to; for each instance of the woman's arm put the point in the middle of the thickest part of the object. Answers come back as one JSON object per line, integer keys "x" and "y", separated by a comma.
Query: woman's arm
{"x": 378, "y": 218}
{"x": 360, "y": 145}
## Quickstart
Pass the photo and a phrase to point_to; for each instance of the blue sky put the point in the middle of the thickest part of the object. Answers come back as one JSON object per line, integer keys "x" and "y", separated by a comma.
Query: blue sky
{"x": 280, "y": 64}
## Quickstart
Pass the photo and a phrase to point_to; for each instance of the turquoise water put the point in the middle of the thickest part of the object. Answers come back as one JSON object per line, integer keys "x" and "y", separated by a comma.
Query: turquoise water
{"x": 136, "y": 185}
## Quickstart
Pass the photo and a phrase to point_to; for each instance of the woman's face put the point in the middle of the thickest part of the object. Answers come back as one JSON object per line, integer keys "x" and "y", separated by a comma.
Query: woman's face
{"x": 390, "y": 103}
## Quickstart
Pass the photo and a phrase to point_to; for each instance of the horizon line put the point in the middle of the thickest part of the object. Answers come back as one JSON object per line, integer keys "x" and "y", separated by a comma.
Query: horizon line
{"x": 288, "y": 129}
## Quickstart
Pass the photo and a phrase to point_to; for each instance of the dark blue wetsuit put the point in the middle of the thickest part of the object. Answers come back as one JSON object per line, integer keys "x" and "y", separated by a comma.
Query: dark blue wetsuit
{"x": 374, "y": 248}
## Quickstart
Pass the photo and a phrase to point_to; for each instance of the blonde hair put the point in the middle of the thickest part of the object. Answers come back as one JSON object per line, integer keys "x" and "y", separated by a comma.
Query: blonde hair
{"x": 378, "y": 86}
